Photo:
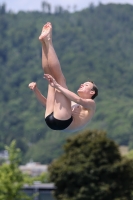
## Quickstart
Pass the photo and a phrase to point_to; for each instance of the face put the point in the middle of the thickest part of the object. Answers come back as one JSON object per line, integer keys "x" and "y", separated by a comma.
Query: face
{"x": 85, "y": 89}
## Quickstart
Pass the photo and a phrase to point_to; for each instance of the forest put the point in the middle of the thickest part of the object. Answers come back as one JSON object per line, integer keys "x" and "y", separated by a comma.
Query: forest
{"x": 95, "y": 43}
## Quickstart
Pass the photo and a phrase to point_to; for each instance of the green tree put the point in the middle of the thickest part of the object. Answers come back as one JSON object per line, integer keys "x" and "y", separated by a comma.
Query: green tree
{"x": 11, "y": 178}
{"x": 46, "y": 7}
{"x": 92, "y": 167}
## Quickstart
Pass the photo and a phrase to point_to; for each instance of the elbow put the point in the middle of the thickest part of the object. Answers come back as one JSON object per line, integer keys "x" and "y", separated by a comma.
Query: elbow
{"x": 78, "y": 100}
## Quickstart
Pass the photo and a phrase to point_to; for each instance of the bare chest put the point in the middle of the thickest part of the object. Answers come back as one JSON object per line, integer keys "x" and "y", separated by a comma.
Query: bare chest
{"x": 81, "y": 117}
{"x": 79, "y": 110}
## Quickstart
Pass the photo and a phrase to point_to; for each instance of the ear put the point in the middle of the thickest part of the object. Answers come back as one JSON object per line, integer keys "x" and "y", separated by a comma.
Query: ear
{"x": 92, "y": 92}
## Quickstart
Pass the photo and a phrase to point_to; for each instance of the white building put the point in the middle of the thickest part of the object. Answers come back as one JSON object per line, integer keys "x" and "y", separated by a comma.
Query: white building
{"x": 33, "y": 168}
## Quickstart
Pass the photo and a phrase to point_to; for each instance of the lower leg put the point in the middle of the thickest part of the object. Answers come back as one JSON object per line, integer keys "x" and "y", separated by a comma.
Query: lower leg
{"x": 45, "y": 66}
{"x": 52, "y": 59}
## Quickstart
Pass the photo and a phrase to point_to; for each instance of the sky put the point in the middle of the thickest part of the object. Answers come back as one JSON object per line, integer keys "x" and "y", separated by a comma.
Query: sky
{"x": 30, "y": 5}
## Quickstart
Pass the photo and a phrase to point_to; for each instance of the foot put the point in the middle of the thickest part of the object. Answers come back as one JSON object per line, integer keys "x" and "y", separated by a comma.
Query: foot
{"x": 46, "y": 33}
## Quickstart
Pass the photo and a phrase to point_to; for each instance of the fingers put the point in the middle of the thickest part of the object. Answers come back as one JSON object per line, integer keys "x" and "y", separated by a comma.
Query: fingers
{"x": 46, "y": 77}
{"x": 49, "y": 77}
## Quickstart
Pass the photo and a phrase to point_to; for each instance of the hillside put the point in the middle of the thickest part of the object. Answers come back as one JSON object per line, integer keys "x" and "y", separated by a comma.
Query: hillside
{"x": 95, "y": 43}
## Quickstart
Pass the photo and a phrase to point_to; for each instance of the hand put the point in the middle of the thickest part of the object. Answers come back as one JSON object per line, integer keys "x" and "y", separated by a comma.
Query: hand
{"x": 32, "y": 85}
{"x": 51, "y": 80}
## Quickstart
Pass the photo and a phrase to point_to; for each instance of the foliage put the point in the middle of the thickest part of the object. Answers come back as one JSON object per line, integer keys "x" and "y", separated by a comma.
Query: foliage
{"x": 130, "y": 154}
{"x": 94, "y": 43}
{"x": 2, "y": 160}
{"x": 92, "y": 166}
{"x": 43, "y": 177}
{"x": 11, "y": 178}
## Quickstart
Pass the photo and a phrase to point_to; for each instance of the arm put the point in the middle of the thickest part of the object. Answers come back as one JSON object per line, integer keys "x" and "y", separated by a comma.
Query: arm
{"x": 38, "y": 94}
{"x": 86, "y": 103}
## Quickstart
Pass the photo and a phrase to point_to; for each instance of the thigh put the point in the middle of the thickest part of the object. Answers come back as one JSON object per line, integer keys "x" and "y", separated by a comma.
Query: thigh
{"x": 59, "y": 76}
{"x": 62, "y": 106}
{"x": 50, "y": 101}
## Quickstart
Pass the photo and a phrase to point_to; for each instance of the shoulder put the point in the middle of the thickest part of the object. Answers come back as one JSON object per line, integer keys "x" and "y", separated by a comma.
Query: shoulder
{"x": 92, "y": 101}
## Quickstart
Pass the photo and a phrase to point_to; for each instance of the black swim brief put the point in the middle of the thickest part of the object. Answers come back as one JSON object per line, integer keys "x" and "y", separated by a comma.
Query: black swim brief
{"x": 57, "y": 124}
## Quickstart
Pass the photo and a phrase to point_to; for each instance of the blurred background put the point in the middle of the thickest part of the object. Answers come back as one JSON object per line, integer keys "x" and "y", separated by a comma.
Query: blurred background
{"x": 93, "y": 40}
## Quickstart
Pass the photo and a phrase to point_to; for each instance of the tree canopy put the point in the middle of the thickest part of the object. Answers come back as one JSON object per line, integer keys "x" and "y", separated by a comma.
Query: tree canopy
{"x": 92, "y": 167}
